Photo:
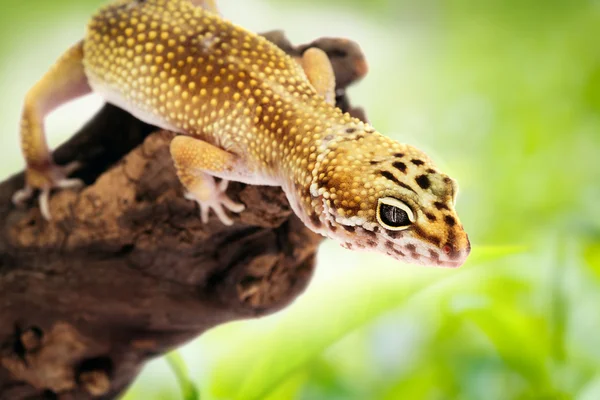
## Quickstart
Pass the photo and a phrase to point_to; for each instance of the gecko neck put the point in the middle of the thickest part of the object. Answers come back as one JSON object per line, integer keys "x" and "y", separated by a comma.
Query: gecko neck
{"x": 312, "y": 140}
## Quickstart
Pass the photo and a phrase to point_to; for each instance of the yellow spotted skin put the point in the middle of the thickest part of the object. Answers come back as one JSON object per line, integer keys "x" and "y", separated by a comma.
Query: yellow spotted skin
{"x": 246, "y": 111}
{"x": 206, "y": 77}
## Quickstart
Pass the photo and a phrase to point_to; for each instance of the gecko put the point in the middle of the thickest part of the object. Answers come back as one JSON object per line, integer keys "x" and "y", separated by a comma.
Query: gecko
{"x": 242, "y": 110}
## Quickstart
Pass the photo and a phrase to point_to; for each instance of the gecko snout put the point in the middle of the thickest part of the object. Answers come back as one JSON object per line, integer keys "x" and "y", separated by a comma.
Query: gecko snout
{"x": 456, "y": 252}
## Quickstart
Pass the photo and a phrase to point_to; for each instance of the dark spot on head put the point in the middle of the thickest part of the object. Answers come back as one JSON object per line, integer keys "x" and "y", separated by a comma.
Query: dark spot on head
{"x": 423, "y": 181}
{"x": 440, "y": 206}
{"x": 349, "y": 246}
{"x": 436, "y": 241}
{"x": 400, "y": 165}
{"x": 431, "y": 171}
{"x": 370, "y": 131}
{"x": 417, "y": 162}
{"x": 328, "y": 138}
{"x": 332, "y": 226}
{"x": 434, "y": 254}
{"x": 394, "y": 234}
{"x": 451, "y": 237}
{"x": 447, "y": 179}
{"x": 371, "y": 243}
{"x": 450, "y": 220}
{"x": 350, "y": 130}
{"x": 399, "y": 155}
{"x": 399, "y": 252}
{"x": 389, "y": 245}
{"x": 314, "y": 218}
{"x": 369, "y": 233}
{"x": 372, "y": 162}
{"x": 431, "y": 217}
{"x": 349, "y": 228}
{"x": 411, "y": 248}
{"x": 360, "y": 136}
{"x": 391, "y": 177}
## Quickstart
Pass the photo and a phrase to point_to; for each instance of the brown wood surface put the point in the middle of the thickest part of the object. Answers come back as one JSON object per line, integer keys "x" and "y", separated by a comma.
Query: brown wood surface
{"x": 125, "y": 271}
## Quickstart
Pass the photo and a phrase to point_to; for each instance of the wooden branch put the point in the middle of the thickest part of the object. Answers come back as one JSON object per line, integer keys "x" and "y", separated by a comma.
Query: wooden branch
{"x": 126, "y": 271}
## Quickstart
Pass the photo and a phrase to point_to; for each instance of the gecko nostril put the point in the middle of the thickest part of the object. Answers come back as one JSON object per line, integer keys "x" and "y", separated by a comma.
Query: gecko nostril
{"x": 447, "y": 249}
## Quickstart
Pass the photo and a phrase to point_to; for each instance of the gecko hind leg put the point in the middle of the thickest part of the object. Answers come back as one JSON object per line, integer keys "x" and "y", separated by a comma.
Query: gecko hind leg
{"x": 65, "y": 81}
{"x": 195, "y": 160}
{"x": 319, "y": 72}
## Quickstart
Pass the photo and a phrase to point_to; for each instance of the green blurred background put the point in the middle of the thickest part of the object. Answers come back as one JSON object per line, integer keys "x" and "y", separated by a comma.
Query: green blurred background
{"x": 505, "y": 96}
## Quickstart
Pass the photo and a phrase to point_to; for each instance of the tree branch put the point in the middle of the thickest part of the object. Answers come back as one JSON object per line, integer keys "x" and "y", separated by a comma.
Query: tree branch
{"x": 126, "y": 271}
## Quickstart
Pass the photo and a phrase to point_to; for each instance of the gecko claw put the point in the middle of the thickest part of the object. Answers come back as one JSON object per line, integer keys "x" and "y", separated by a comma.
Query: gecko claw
{"x": 54, "y": 179}
{"x": 21, "y": 196}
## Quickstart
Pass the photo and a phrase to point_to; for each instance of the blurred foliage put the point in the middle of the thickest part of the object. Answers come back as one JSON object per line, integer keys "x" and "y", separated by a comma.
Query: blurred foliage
{"x": 177, "y": 364}
{"x": 505, "y": 95}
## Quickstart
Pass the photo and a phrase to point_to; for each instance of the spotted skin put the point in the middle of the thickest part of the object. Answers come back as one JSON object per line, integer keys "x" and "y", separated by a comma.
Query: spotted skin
{"x": 358, "y": 169}
{"x": 245, "y": 111}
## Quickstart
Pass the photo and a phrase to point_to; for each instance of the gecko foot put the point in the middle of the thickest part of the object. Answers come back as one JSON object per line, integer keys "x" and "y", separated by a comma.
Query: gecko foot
{"x": 218, "y": 201}
{"x": 54, "y": 178}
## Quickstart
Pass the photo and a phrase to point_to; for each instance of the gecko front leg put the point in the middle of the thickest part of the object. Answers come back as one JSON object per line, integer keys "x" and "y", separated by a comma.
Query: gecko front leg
{"x": 196, "y": 161}
{"x": 65, "y": 81}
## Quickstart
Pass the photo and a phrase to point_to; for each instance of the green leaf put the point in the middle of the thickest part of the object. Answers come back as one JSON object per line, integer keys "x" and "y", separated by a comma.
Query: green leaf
{"x": 257, "y": 362}
{"x": 591, "y": 255}
{"x": 416, "y": 384}
{"x": 177, "y": 364}
{"x": 483, "y": 254}
{"x": 521, "y": 340}
{"x": 289, "y": 388}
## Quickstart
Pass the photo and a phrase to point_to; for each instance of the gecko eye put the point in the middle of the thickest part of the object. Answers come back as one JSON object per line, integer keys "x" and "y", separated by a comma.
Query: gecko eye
{"x": 393, "y": 214}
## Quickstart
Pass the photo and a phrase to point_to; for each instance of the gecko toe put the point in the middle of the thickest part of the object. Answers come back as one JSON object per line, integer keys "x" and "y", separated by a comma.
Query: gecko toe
{"x": 223, "y": 185}
{"x": 44, "y": 201}
{"x": 233, "y": 206}
{"x": 204, "y": 213}
{"x": 222, "y": 215}
{"x": 22, "y": 196}
{"x": 69, "y": 184}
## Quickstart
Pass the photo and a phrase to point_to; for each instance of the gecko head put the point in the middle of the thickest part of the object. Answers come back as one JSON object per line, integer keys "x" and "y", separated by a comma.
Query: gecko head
{"x": 379, "y": 195}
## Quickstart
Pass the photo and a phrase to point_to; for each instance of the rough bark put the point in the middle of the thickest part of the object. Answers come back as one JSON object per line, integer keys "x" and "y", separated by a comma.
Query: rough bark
{"x": 125, "y": 271}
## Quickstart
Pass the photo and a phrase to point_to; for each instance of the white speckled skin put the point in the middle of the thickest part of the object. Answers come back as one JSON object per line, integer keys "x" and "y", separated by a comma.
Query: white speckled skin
{"x": 247, "y": 112}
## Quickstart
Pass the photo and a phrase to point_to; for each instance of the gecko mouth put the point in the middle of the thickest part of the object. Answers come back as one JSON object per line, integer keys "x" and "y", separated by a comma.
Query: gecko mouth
{"x": 421, "y": 254}
{"x": 432, "y": 261}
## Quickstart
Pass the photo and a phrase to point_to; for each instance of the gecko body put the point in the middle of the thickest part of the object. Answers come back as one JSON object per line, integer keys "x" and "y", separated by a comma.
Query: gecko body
{"x": 245, "y": 111}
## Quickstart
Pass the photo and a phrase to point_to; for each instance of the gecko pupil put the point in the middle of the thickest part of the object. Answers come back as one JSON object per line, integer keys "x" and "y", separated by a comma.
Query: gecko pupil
{"x": 394, "y": 216}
